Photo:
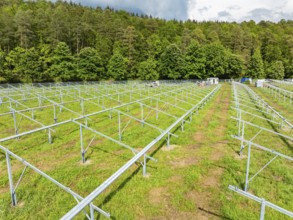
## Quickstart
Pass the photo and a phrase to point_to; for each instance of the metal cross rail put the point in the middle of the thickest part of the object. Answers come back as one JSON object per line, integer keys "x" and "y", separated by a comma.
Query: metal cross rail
{"x": 261, "y": 101}
{"x": 13, "y": 187}
{"x": 239, "y": 97}
{"x": 277, "y": 91}
{"x": 78, "y": 118}
{"x": 250, "y": 144}
{"x": 78, "y": 208}
{"x": 116, "y": 109}
{"x": 282, "y": 82}
{"x": 259, "y": 104}
{"x": 60, "y": 105}
{"x": 262, "y": 201}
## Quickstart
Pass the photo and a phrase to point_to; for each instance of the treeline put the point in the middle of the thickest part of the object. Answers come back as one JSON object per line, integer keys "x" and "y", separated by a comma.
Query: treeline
{"x": 45, "y": 41}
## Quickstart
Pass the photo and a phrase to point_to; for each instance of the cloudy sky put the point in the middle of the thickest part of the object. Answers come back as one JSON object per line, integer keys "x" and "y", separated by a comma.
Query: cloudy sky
{"x": 223, "y": 10}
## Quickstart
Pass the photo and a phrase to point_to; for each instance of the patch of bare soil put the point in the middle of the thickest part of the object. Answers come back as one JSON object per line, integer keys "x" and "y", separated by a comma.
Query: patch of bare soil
{"x": 86, "y": 163}
{"x": 158, "y": 195}
{"x": 20, "y": 204}
{"x": 199, "y": 137}
{"x": 206, "y": 207}
{"x": 213, "y": 178}
{"x": 174, "y": 215}
{"x": 70, "y": 144}
{"x": 218, "y": 150}
{"x": 203, "y": 205}
{"x": 3, "y": 190}
{"x": 184, "y": 162}
{"x": 240, "y": 157}
{"x": 176, "y": 179}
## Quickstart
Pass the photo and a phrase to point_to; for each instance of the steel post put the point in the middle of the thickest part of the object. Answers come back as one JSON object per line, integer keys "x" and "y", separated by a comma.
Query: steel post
{"x": 144, "y": 165}
{"x": 262, "y": 209}
{"x": 239, "y": 123}
{"x": 81, "y": 144}
{"x": 247, "y": 167}
{"x": 157, "y": 110}
{"x": 55, "y": 115}
{"x": 14, "y": 122}
{"x": 142, "y": 117}
{"x": 49, "y": 136}
{"x": 92, "y": 212}
{"x": 12, "y": 191}
{"x": 119, "y": 127}
{"x": 242, "y": 135}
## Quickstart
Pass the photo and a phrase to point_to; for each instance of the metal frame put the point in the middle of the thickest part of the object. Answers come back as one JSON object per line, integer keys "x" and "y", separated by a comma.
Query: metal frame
{"x": 78, "y": 208}
{"x": 138, "y": 96}
{"x": 262, "y": 201}
{"x": 279, "y": 92}
{"x": 243, "y": 93}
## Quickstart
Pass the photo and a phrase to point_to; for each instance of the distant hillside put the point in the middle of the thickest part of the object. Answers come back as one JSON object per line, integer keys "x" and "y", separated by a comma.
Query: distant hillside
{"x": 45, "y": 41}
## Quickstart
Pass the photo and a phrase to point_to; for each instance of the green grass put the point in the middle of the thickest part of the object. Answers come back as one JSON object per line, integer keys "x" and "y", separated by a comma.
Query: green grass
{"x": 187, "y": 182}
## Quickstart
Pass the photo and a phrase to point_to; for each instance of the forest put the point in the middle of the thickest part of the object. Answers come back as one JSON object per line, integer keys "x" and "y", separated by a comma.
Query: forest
{"x": 41, "y": 41}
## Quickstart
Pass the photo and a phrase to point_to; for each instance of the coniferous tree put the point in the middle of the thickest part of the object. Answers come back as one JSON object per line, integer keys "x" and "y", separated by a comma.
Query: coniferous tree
{"x": 23, "y": 22}
{"x": 255, "y": 68}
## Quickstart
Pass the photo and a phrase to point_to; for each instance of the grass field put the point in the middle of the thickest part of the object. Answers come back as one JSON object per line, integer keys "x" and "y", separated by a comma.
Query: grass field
{"x": 288, "y": 85}
{"x": 189, "y": 181}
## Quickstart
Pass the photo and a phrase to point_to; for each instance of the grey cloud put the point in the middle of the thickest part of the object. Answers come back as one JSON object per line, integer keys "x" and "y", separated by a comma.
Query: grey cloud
{"x": 234, "y": 7}
{"x": 224, "y": 14}
{"x": 259, "y": 14}
{"x": 201, "y": 10}
{"x": 167, "y": 9}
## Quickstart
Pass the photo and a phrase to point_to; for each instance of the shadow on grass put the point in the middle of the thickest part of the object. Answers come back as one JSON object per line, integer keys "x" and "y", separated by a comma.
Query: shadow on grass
{"x": 88, "y": 155}
{"x": 273, "y": 126}
{"x": 113, "y": 193}
{"x": 121, "y": 186}
{"x": 238, "y": 179}
{"x": 135, "y": 172}
{"x": 213, "y": 213}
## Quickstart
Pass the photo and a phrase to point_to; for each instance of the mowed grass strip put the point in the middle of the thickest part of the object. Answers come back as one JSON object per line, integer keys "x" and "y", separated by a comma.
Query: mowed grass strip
{"x": 61, "y": 160}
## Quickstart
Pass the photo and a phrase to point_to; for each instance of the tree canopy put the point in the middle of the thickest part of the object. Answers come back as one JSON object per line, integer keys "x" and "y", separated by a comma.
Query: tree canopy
{"x": 64, "y": 41}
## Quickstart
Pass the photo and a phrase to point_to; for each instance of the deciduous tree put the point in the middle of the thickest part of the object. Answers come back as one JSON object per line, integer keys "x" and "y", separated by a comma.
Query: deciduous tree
{"x": 171, "y": 63}
{"x": 117, "y": 67}
{"x": 89, "y": 65}
{"x": 147, "y": 70}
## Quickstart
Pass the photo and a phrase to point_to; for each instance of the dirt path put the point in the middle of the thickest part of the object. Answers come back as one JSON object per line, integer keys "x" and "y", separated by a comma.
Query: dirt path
{"x": 209, "y": 146}
{"x": 214, "y": 131}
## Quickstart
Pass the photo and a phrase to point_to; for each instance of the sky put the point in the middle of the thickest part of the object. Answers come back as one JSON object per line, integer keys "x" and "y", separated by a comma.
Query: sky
{"x": 204, "y": 10}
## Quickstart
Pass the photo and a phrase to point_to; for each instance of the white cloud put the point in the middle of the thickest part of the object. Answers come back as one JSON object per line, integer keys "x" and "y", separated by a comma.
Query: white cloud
{"x": 240, "y": 10}
{"x": 167, "y": 9}
{"x": 222, "y": 10}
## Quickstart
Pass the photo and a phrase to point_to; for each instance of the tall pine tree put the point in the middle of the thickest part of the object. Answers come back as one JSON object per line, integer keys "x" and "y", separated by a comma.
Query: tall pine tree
{"x": 255, "y": 68}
